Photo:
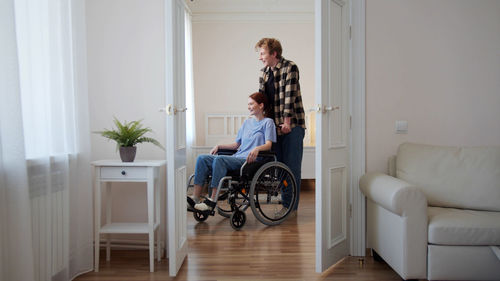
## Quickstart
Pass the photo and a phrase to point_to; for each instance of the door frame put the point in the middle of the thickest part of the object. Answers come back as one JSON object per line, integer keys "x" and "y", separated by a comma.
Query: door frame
{"x": 358, "y": 125}
{"x": 358, "y": 129}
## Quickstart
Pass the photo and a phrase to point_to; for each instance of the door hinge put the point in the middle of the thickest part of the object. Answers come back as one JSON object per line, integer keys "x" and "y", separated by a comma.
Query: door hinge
{"x": 350, "y": 210}
{"x": 350, "y": 122}
{"x": 350, "y": 32}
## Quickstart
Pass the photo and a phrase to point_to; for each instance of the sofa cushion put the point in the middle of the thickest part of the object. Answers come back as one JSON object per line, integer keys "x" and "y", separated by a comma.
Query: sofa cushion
{"x": 456, "y": 177}
{"x": 449, "y": 226}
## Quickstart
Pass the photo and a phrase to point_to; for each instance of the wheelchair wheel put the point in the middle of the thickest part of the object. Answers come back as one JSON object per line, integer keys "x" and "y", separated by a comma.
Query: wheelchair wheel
{"x": 190, "y": 183}
{"x": 226, "y": 200}
{"x": 238, "y": 219}
{"x": 223, "y": 206}
{"x": 271, "y": 185}
{"x": 200, "y": 216}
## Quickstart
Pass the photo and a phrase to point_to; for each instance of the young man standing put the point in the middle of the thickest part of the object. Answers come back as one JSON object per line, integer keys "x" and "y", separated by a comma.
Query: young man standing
{"x": 279, "y": 81}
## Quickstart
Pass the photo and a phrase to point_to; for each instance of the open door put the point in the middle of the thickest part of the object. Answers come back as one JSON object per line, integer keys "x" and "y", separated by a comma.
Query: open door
{"x": 332, "y": 133}
{"x": 176, "y": 134}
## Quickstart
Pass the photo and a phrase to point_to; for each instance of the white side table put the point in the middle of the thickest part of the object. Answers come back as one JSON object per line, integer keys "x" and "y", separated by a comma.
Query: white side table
{"x": 116, "y": 171}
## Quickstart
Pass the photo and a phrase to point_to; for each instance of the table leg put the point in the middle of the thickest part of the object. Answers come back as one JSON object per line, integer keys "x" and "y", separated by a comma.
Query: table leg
{"x": 109, "y": 203}
{"x": 97, "y": 217}
{"x": 158, "y": 218}
{"x": 150, "y": 191}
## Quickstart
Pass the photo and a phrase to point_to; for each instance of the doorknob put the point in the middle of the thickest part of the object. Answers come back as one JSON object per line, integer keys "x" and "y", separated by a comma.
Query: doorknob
{"x": 324, "y": 109}
{"x": 167, "y": 109}
{"x": 330, "y": 108}
{"x": 317, "y": 108}
{"x": 180, "y": 110}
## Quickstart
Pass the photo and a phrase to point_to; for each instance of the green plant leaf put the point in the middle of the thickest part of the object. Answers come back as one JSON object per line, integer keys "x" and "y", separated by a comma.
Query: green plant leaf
{"x": 128, "y": 134}
{"x": 151, "y": 140}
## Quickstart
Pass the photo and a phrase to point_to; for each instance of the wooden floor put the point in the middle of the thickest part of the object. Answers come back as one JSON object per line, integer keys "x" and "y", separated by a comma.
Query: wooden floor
{"x": 257, "y": 252}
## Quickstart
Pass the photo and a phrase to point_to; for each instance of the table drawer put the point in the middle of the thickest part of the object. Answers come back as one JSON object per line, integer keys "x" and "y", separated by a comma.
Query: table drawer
{"x": 123, "y": 173}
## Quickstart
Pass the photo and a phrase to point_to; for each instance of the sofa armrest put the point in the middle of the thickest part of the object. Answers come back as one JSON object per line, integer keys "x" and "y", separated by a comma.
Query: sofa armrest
{"x": 393, "y": 194}
{"x": 396, "y": 216}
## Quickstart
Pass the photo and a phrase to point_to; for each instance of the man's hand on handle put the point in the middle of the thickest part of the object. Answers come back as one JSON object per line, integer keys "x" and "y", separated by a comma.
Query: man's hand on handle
{"x": 285, "y": 128}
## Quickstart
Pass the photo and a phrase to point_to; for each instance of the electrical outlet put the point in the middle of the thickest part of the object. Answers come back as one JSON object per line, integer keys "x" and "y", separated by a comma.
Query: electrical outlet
{"x": 401, "y": 127}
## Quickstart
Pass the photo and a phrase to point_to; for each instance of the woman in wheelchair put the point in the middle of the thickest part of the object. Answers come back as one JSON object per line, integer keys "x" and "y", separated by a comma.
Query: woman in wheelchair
{"x": 255, "y": 180}
{"x": 256, "y": 134}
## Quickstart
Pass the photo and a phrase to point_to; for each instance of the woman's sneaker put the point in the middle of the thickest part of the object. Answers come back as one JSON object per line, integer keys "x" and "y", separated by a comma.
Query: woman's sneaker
{"x": 207, "y": 205}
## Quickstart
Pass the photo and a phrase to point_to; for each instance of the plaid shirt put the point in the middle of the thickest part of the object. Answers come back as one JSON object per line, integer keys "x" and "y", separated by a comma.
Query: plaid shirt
{"x": 287, "y": 98}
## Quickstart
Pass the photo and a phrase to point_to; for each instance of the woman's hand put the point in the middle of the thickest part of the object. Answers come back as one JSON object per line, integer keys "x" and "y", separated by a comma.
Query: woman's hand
{"x": 253, "y": 155}
{"x": 214, "y": 150}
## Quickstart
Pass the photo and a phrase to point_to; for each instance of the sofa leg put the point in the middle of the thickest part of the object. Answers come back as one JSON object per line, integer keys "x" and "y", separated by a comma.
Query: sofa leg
{"x": 376, "y": 256}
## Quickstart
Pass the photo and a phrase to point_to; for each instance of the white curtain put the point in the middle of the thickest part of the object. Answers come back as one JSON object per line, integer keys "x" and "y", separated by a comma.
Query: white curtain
{"x": 16, "y": 261}
{"x": 46, "y": 191}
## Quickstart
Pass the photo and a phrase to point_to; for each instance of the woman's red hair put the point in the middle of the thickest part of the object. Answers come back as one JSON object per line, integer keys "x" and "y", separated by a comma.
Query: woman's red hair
{"x": 260, "y": 98}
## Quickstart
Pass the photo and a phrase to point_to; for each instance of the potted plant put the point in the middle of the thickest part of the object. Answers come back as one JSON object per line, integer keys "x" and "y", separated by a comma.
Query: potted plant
{"x": 127, "y": 135}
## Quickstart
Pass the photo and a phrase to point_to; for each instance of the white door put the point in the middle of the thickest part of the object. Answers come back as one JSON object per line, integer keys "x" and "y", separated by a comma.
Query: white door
{"x": 176, "y": 134}
{"x": 332, "y": 133}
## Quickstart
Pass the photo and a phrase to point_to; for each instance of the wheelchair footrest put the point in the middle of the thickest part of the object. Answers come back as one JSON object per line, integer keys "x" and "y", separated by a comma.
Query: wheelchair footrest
{"x": 206, "y": 213}
{"x": 208, "y": 202}
{"x": 190, "y": 204}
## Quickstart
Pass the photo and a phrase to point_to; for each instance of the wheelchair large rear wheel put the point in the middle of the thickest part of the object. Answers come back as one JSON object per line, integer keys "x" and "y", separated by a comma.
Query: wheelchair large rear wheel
{"x": 223, "y": 207}
{"x": 271, "y": 186}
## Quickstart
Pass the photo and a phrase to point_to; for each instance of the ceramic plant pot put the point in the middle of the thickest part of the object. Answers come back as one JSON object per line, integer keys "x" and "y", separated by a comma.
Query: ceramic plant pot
{"x": 127, "y": 153}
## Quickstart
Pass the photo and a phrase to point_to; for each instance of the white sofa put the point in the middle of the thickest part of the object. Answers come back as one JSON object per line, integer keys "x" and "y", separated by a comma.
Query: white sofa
{"x": 437, "y": 215}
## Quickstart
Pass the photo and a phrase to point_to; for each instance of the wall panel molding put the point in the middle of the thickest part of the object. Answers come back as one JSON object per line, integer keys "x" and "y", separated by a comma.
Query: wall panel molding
{"x": 251, "y": 17}
{"x": 252, "y": 11}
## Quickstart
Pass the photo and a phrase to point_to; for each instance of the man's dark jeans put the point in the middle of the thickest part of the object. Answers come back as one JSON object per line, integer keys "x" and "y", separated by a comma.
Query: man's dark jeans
{"x": 289, "y": 149}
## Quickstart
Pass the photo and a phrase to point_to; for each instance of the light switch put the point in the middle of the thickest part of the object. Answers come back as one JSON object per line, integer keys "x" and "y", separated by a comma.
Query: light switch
{"x": 401, "y": 127}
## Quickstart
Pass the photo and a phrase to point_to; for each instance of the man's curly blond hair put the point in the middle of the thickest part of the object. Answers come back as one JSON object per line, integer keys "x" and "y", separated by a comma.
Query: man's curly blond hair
{"x": 273, "y": 45}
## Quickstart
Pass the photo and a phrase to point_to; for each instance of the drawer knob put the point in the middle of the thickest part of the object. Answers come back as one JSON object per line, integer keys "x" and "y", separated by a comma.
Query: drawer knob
{"x": 123, "y": 172}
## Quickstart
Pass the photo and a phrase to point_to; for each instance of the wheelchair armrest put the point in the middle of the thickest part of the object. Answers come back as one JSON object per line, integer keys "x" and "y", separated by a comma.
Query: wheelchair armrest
{"x": 268, "y": 153}
{"x": 226, "y": 151}
{"x": 251, "y": 168}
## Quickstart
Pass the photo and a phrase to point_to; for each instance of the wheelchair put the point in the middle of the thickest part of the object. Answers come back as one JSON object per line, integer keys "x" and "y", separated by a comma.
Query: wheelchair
{"x": 260, "y": 186}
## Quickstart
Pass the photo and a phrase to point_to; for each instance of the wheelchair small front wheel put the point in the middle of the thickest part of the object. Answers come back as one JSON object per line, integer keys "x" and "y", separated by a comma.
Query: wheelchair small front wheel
{"x": 200, "y": 216}
{"x": 238, "y": 219}
{"x": 232, "y": 201}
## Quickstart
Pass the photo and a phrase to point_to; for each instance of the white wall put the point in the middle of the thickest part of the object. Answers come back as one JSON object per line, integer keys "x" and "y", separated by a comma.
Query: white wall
{"x": 126, "y": 69}
{"x": 125, "y": 43}
{"x": 226, "y": 65}
{"x": 435, "y": 64}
